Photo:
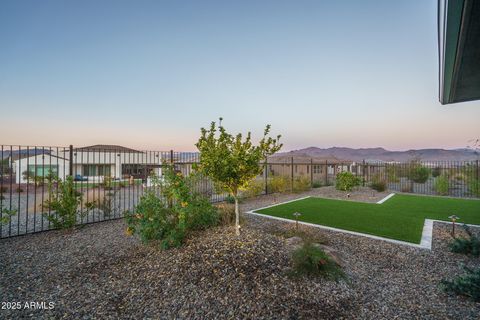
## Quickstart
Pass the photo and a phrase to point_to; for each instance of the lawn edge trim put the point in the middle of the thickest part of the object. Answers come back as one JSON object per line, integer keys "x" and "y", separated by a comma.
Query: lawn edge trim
{"x": 425, "y": 241}
{"x": 386, "y": 198}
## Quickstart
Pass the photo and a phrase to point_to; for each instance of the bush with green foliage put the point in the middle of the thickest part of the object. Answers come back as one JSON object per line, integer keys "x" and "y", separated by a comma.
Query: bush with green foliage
{"x": 441, "y": 185}
{"x": 474, "y": 187}
{"x": 467, "y": 284}
{"x": 346, "y": 181}
{"x": 317, "y": 184}
{"x": 254, "y": 188}
{"x": 278, "y": 184}
{"x": 230, "y": 199}
{"x": 378, "y": 183}
{"x": 311, "y": 260}
{"x": 107, "y": 183}
{"x": 436, "y": 172}
{"x": 7, "y": 215}
{"x": 170, "y": 221}
{"x": 469, "y": 245}
{"x": 301, "y": 183}
{"x": 419, "y": 173}
{"x": 226, "y": 213}
{"x": 63, "y": 201}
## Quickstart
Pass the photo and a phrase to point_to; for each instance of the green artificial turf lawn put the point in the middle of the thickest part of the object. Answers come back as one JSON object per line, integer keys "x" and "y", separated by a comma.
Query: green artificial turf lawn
{"x": 401, "y": 217}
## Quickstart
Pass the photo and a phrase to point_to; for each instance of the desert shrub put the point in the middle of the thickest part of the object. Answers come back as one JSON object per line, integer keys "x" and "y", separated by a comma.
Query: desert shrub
{"x": 230, "y": 199}
{"x": 64, "y": 200}
{"x": 378, "y": 183}
{"x": 469, "y": 245}
{"x": 467, "y": 284}
{"x": 107, "y": 183}
{"x": 170, "y": 221}
{"x": 226, "y": 213}
{"x": 419, "y": 174}
{"x": 301, "y": 183}
{"x": 7, "y": 215}
{"x": 311, "y": 260}
{"x": 254, "y": 188}
{"x": 316, "y": 184}
{"x": 436, "y": 172}
{"x": 391, "y": 173}
{"x": 441, "y": 185}
{"x": 106, "y": 204}
{"x": 151, "y": 220}
{"x": 278, "y": 184}
{"x": 346, "y": 181}
{"x": 474, "y": 187}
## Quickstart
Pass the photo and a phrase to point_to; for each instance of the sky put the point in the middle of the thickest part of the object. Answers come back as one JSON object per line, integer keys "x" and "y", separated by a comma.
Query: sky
{"x": 150, "y": 74}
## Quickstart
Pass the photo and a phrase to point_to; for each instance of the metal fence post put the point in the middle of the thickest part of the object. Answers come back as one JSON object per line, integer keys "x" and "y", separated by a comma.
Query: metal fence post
{"x": 311, "y": 172}
{"x": 70, "y": 161}
{"x": 363, "y": 173}
{"x": 477, "y": 182}
{"x": 266, "y": 176}
{"x": 291, "y": 182}
{"x": 326, "y": 172}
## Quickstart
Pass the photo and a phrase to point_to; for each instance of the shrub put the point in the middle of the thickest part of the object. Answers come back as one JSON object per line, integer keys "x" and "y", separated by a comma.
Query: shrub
{"x": 226, "y": 213}
{"x": 170, "y": 222}
{"x": 474, "y": 187}
{"x": 310, "y": 260}
{"x": 436, "y": 172}
{"x": 106, "y": 204}
{"x": 230, "y": 199}
{"x": 19, "y": 190}
{"x": 301, "y": 183}
{"x": 441, "y": 185}
{"x": 467, "y": 284}
{"x": 3, "y": 189}
{"x": 346, "y": 181}
{"x": 419, "y": 174}
{"x": 107, "y": 183}
{"x": 7, "y": 215}
{"x": 278, "y": 184}
{"x": 378, "y": 183}
{"x": 470, "y": 245}
{"x": 254, "y": 188}
{"x": 63, "y": 201}
{"x": 152, "y": 218}
{"x": 316, "y": 184}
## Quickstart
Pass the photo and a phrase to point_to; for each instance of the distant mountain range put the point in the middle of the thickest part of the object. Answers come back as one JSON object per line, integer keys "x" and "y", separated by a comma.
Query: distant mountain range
{"x": 379, "y": 154}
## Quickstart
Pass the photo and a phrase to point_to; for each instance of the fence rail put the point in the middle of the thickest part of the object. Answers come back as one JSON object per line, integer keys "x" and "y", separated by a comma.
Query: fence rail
{"x": 114, "y": 178}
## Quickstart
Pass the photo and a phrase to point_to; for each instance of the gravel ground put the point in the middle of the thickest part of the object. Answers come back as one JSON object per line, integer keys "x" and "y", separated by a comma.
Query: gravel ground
{"x": 99, "y": 272}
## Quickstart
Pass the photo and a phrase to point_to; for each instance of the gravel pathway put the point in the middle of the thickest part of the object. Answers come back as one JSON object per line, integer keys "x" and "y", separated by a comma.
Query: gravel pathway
{"x": 99, "y": 272}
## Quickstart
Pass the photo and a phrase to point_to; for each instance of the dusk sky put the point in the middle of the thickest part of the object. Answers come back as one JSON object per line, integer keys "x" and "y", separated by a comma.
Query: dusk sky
{"x": 149, "y": 74}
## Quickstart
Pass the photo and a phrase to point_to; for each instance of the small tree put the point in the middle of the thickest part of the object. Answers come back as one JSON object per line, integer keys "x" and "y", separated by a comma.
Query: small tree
{"x": 232, "y": 162}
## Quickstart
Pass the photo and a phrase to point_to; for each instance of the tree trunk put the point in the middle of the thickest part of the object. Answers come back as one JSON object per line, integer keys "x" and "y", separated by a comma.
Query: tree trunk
{"x": 237, "y": 217}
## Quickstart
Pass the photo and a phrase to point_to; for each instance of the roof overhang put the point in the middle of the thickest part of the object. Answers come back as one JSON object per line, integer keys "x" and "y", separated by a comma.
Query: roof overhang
{"x": 459, "y": 50}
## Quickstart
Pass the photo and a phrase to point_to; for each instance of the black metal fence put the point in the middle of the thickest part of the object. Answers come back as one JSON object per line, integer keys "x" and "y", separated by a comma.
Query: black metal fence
{"x": 114, "y": 178}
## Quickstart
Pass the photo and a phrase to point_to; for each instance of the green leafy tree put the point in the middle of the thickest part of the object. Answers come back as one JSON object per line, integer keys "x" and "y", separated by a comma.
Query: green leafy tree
{"x": 231, "y": 161}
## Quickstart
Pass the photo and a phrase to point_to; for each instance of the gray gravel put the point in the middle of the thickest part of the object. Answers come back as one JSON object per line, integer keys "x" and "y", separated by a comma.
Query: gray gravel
{"x": 99, "y": 272}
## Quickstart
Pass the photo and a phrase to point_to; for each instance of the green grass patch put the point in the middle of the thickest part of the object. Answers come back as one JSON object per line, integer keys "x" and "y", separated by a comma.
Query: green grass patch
{"x": 401, "y": 217}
